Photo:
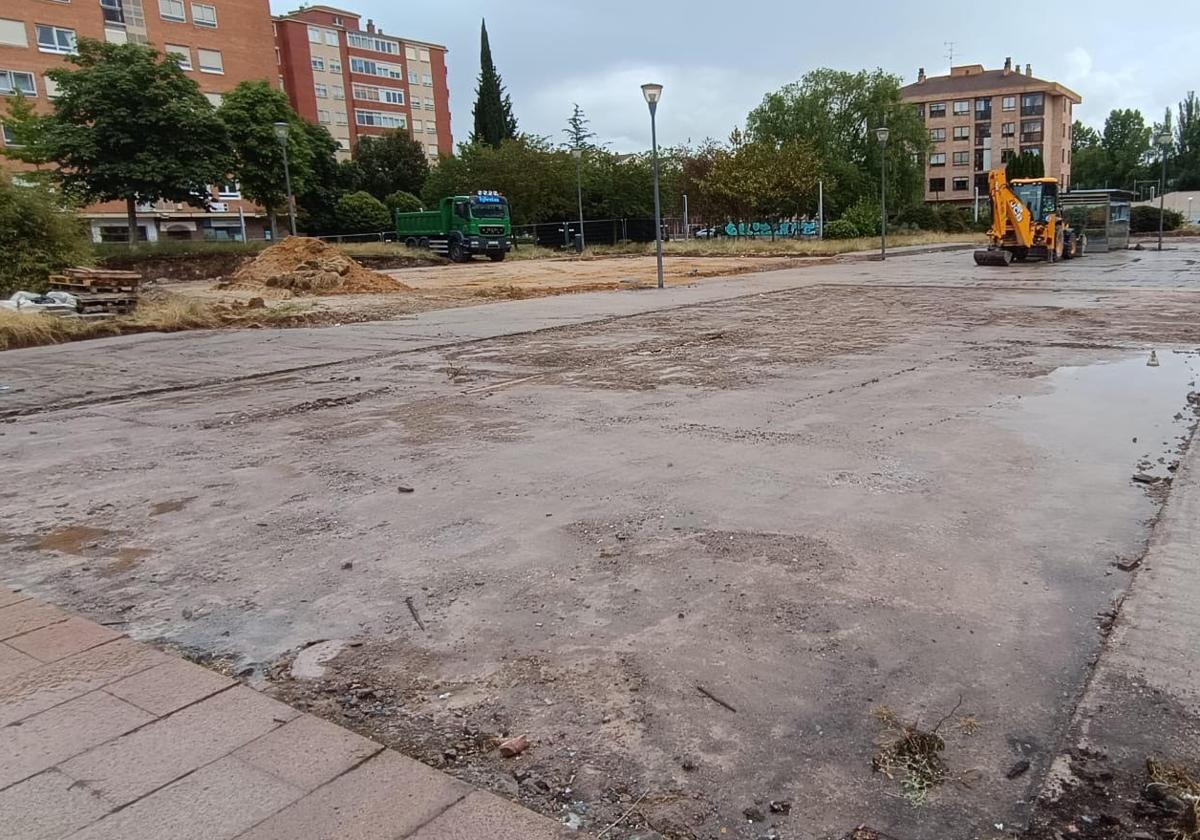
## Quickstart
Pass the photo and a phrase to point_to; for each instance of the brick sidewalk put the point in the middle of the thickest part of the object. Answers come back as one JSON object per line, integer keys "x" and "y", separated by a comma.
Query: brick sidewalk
{"x": 104, "y": 738}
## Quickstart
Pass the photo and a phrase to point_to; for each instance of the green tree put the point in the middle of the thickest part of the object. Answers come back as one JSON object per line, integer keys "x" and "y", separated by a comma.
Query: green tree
{"x": 759, "y": 180}
{"x": 361, "y": 212}
{"x": 1025, "y": 165}
{"x": 38, "y": 236}
{"x": 494, "y": 120}
{"x": 317, "y": 196}
{"x": 128, "y": 125}
{"x": 1083, "y": 137}
{"x": 250, "y": 112}
{"x": 402, "y": 202}
{"x": 1187, "y": 143}
{"x": 1126, "y": 141}
{"x": 579, "y": 136}
{"x": 388, "y": 163}
{"x": 837, "y": 113}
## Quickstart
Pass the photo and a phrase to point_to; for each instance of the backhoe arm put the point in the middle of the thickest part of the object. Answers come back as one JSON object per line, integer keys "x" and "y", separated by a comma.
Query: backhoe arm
{"x": 1008, "y": 211}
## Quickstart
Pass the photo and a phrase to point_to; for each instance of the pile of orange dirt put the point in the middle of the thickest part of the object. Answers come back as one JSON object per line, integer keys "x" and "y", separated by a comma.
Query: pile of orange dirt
{"x": 306, "y": 266}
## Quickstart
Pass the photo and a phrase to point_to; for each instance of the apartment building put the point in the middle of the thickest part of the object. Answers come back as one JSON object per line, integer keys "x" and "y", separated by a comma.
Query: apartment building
{"x": 359, "y": 81}
{"x": 219, "y": 43}
{"x": 978, "y": 119}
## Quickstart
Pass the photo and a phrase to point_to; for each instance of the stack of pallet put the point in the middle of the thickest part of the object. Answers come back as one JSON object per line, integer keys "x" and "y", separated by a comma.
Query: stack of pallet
{"x": 100, "y": 291}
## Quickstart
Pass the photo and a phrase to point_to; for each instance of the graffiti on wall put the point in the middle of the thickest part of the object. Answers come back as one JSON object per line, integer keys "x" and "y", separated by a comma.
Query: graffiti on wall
{"x": 771, "y": 229}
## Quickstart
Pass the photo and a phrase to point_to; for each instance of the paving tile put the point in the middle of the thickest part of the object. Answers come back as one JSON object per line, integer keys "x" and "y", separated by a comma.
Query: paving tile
{"x": 485, "y": 815}
{"x": 44, "y": 740}
{"x": 60, "y": 640}
{"x": 48, "y": 806}
{"x": 13, "y": 662}
{"x": 385, "y": 798}
{"x": 40, "y": 688}
{"x": 308, "y": 752}
{"x": 170, "y": 686}
{"x": 7, "y": 596}
{"x": 24, "y": 616}
{"x": 217, "y": 802}
{"x": 130, "y": 767}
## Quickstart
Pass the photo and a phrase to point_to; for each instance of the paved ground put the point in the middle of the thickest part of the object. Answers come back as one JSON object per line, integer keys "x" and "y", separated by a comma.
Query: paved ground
{"x": 811, "y": 493}
{"x": 104, "y": 738}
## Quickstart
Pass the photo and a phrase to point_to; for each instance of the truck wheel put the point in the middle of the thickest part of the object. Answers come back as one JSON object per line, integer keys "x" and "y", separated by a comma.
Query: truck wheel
{"x": 457, "y": 253}
{"x": 411, "y": 242}
{"x": 423, "y": 242}
{"x": 496, "y": 257}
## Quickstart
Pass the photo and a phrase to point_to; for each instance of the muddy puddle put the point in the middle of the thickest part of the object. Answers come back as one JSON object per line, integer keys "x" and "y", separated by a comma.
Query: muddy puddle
{"x": 1122, "y": 415}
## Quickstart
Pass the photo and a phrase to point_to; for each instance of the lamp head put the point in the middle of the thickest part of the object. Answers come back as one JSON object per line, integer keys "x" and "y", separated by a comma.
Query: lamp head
{"x": 652, "y": 92}
{"x": 281, "y": 131}
{"x": 882, "y": 133}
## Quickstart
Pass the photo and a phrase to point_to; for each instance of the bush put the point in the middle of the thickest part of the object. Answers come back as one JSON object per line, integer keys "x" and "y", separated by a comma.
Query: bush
{"x": 361, "y": 212}
{"x": 38, "y": 237}
{"x": 402, "y": 202}
{"x": 841, "y": 229}
{"x": 920, "y": 216}
{"x": 864, "y": 215}
{"x": 954, "y": 219}
{"x": 1144, "y": 219}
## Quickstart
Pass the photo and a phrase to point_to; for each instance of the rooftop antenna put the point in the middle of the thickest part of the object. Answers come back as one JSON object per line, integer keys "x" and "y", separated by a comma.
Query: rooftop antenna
{"x": 949, "y": 51}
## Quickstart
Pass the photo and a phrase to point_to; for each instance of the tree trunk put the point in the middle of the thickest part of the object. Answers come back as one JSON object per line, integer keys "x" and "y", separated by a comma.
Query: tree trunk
{"x": 131, "y": 220}
{"x": 274, "y": 222}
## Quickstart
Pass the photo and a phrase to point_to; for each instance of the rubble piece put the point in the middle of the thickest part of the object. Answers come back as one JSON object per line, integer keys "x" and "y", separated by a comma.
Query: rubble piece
{"x": 306, "y": 266}
{"x": 514, "y": 746}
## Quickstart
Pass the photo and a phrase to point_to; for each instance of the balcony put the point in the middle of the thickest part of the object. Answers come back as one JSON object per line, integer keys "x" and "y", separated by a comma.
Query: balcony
{"x": 1033, "y": 110}
{"x": 1031, "y": 137}
{"x": 984, "y": 115}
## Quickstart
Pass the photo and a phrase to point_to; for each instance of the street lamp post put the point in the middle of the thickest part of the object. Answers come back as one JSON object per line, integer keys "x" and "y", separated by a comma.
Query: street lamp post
{"x": 577, "y": 153}
{"x": 653, "y": 93}
{"x": 1164, "y": 143}
{"x": 281, "y": 132}
{"x": 882, "y": 133}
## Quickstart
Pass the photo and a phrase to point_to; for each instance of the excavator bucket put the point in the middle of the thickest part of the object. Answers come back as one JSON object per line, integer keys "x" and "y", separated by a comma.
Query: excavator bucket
{"x": 993, "y": 256}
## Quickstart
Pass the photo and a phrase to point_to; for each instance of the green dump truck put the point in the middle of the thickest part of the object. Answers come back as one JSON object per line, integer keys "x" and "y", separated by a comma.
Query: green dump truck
{"x": 461, "y": 227}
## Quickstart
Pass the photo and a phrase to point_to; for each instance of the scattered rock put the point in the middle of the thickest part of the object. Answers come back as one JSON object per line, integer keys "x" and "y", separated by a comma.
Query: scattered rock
{"x": 1018, "y": 769}
{"x": 404, "y": 488}
{"x": 1145, "y": 478}
{"x": 753, "y": 814}
{"x": 256, "y": 303}
{"x": 780, "y": 806}
{"x": 514, "y": 746}
{"x": 347, "y": 564}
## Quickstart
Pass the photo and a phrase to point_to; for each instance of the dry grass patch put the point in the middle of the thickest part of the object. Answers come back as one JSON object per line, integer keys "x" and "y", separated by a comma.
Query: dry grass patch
{"x": 1172, "y": 785}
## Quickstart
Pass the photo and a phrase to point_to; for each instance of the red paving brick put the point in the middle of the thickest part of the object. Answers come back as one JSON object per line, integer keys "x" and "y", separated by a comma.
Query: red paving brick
{"x": 7, "y": 596}
{"x": 217, "y": 802}
{"x": 130, "y": 767}
{"x": 308, "y": 752}
{"x": 55, "y": 735}
{"x": 13, "y": 662}
{"x": 388, "y": 797}
{"x": 63, "y": 639}
{"x": 24, "y": 616}
{"x": 48, "y": 806}
{"x": 170, "y": 686}
{"x": 482, "y": 815}
{"x": 41, "y": 688}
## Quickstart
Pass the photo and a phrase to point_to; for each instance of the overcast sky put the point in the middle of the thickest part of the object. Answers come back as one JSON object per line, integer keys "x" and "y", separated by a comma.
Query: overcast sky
{"x": 717, "y": 59}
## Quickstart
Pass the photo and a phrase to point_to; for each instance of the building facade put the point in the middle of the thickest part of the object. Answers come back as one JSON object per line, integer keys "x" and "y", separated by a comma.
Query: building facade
{"x": 219, "y": 44}
{"x": 978, "y": 119}
{"x": 359, "y": 81}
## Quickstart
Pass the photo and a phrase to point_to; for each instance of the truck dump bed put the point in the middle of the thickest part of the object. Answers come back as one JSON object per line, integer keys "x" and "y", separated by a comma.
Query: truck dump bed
{"x": 424, "y": 223}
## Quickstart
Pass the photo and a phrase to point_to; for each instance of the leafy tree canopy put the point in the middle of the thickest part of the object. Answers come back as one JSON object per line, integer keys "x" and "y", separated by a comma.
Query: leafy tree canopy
{"x": 494, "y": 120}
{"x": 388, "y": 163}
{"x": 38, "y": 236}
{"x": 360, "y": 212}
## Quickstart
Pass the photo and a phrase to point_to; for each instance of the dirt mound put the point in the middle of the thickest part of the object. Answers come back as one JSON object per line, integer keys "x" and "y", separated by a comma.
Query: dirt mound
{"x": 307, "y": 266}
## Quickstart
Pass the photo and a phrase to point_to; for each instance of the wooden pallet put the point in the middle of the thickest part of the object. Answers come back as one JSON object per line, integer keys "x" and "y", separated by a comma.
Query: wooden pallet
{"x": 99, "y": 291}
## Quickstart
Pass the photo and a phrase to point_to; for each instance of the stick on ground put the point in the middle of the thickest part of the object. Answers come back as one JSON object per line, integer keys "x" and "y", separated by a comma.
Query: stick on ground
{"x": 412, "y": 609}
{"x": 715, "y": 698}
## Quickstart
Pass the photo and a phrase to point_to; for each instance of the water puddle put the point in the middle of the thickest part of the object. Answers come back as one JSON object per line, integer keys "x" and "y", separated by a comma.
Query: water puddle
{"x": 1122, "y": 414}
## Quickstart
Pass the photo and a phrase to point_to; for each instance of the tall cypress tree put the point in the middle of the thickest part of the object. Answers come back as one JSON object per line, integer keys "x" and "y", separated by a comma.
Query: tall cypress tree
{"x": 494, "y": 120}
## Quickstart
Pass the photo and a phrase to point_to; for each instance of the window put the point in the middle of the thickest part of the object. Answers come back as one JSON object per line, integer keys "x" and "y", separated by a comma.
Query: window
{"x": 229, "y": 190}
{"x": 937, "y": 109}
{"x": 428, "y": 104}
{"x": 418, "y": 125}
{"x": 9, "y": 139}
{"x": 339, "y": 92}
{"x": 962, "y": 132}
{"x": 370, "y": 93}
{"x": 112, "y": 12}
{"x": 318, "y": 64}
{"x": 210, "y": 61}
{"x": 937, "y": 185}
{"x": 339, "y": 117}
{"x": 961, "y": 184}
{"x": 338, "y": 20}
{"x": 12, "y": 33}
{"x": 1031, "y": 150}
{"x": 314, "y": 35}
{"x": 433, "y": 150}
{"x": 1008, "y": 103}
{"x": 413, "y": 78}
{"x": 983, "y": 108}
{"x": 171, "y": 10}
{"x": 410, "y": 53}
{"x": 937, "y": 159}
{"x": 982, "y": 131}
{"x": 51, "y": 87}
{"x": 1033, "y": 104}
{"x": 920, "y": 109}
{"x": 962, "y": 158}
{"x": 1031, "y": 131}
{"x": 323, "y": 117}
{"x": 55, "y": 39}
{"x": 204, "y": 15}
{"x": 962, "y": 106}
{"x": 430, "y": 128}
{"x": 321, "y": 91}
{"x": 331, "y": 38}
{"x": 335, "y": 65}
{"x": 380, "y": 119}
{"x": 424, "y": 55}
{"x": 181, "y": 53}
{"x": 17, "y": 81}
{"x": 937, "y": 135}
{"x": 1006, "y": 155}
{"x": 1008, "y": 129}
{"x": 375, "y": 68}
{"x": 428, "y": 80}
{"x": 369, "y": 42}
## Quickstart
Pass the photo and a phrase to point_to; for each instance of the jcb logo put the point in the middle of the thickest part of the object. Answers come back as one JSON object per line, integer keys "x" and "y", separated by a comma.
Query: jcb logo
{"x": 1018, "y": 209}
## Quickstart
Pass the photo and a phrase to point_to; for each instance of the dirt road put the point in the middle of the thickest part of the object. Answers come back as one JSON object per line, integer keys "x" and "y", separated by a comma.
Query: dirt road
{"x": 688, "y": 542}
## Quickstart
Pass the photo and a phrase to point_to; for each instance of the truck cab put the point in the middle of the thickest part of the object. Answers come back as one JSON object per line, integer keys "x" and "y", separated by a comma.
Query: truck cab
{"x": 461, "y": 227}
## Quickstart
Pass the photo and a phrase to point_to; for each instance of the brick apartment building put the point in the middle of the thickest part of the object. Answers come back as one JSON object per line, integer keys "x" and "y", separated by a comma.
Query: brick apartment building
{"x": 358, "y": 82}
{"x": 219, "y": 42}
{"x": 979, "y": 118}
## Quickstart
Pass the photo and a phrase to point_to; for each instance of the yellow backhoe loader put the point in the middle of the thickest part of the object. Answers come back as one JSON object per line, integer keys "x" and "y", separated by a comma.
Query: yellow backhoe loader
{"x": 1026, "y": 223}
